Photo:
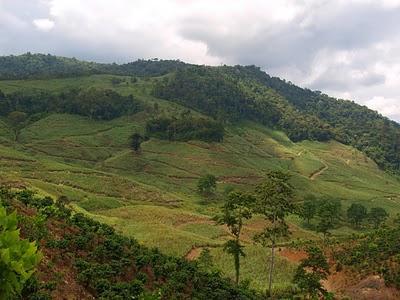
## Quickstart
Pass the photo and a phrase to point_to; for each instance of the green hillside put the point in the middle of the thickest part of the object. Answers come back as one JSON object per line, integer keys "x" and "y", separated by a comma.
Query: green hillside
{"x": 152, "y": 195}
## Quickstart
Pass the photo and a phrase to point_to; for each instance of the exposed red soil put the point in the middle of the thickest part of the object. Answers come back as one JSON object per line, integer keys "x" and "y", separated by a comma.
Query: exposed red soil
{"x": 292, "y": 255}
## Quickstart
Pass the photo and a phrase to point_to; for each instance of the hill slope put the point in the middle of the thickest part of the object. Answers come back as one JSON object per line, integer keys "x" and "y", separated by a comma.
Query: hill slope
{"x": 152, "y": 195}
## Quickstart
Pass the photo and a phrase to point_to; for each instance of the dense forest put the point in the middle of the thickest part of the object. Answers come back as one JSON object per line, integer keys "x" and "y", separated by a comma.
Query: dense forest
{"x": 185, "y": 129}
{"x": 94, "y": 103}
{"x": 39, "y": 66}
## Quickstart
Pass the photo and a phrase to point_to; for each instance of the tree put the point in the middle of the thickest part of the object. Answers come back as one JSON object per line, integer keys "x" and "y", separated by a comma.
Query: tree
{"x": 274, "y": 201}
{"x": 18, "y": 258}
{"x": 136, "y": 141}
{"x": 207, "y": 184}
{"x": 311, "y": 271}
{"x": 236, "y": 210}
{"x": 356, "y": 213}
{"x": 378, "y": 215}
{"x": 308, "y": 209}
{"x": 324, "y": 225}
{"x": 17, "y": 120}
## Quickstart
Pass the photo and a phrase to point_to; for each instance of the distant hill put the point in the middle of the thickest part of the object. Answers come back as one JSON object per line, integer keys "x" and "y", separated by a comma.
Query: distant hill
{"x": 39, "y": 66}
{"x": 239, "y": 93}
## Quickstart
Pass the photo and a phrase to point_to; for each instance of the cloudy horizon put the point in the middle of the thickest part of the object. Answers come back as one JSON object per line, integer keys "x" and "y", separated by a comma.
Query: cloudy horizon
{"x": 347, "y": 49}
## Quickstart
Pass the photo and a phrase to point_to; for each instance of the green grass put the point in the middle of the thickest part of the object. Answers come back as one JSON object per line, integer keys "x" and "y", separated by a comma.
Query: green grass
{"x": 255, "y": 267}
{"x": 152, "y": 195}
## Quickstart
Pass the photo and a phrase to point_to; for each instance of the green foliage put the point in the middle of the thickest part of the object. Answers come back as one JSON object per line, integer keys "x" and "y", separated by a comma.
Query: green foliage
{"x": 356, "y": 213}
{"x": 311, "y": 271}
{"x": 274, "y": 201}
{"x": 236, "y": 209}
{"x": 308, "y": 209}
{"x": 94, "y": 103}
{"x": 223, "y": 95}
{"x": 185, "y": 129}
{"x": 18, "y": 257}
{"x": 377, "y": 215}
{"x": 48, "y": 66}
{"x": 111, "y": 266}
{"x": 238, "y": 93}
{"x": 329, "y": 212}
{"x": 207, "y": 184}
{"x": 17, "y": 120}
{"x": 374, "y": 253}
{"x": 136, "y": 140}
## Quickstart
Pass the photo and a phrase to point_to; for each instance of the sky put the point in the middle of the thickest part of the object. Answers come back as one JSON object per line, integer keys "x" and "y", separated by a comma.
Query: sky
{"x": 349, "y": 49}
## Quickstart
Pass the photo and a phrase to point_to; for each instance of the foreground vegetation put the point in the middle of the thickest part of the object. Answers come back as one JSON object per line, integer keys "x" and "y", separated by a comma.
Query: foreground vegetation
{"x": 102, "y": 263}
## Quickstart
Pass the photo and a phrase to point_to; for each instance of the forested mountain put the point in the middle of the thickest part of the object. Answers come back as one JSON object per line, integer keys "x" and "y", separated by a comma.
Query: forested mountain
{"x": 234, "y": 93}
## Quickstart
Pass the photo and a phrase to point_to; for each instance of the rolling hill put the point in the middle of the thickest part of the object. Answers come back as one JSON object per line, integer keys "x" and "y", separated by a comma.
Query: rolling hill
{"x": 330, "y": 147}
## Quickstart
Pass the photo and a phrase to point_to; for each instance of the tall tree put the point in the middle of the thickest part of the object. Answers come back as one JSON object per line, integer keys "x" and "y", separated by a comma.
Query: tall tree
{"x": 236, "y": 209}
{"x": 17, "y": 120}
{"x": 274, "y": 201}
{"x": 136, "y": 141}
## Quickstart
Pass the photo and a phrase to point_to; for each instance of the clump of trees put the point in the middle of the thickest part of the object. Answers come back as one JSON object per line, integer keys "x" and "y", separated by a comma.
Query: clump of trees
{"x": 100, "y": 104}
{"x": 327, "y": 214}
{"x": 185, "y": 129}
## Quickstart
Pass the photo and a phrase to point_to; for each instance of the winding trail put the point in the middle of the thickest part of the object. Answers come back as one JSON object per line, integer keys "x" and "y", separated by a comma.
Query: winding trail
{"x": 319, "y": 172}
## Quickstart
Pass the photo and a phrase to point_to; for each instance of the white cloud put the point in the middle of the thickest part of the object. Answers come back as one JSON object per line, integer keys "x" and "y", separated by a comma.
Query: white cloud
{"x": 346, "y": 48}
{"x": 43, "y": 24}
{"x": 387, "y": 106}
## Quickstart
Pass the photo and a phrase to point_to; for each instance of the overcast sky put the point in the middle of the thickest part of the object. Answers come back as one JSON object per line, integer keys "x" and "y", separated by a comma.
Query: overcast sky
{"x": 346, "y": 48}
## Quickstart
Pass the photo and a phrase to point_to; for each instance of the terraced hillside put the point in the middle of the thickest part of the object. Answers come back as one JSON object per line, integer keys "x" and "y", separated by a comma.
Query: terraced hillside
{"x": 152, "y": 195}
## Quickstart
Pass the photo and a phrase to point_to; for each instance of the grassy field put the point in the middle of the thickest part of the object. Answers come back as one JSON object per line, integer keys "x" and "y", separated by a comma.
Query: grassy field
{"x": 152, "y": 195}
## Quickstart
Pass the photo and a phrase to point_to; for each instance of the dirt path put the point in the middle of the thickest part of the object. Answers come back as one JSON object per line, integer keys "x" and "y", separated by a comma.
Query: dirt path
{"x": 314, "y": 175}
{"x": 194, "y": 253}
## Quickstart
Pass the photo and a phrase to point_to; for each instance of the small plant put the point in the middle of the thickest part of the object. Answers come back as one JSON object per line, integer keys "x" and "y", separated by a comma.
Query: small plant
{"x": 18, "y": 257}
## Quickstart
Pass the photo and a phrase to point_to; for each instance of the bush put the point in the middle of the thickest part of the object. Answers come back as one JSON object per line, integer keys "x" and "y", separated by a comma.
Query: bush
{"x": 18, "y": 258}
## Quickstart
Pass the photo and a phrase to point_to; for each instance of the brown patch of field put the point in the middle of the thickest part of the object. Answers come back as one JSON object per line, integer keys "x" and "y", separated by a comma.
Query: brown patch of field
{"x": 345, "y": 285}
{"x": 193, "y": 253}
{"x": 292, "y": 255}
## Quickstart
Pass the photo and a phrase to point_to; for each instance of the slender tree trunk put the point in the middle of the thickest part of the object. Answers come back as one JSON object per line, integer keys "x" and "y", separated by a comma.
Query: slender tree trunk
{"x": 271, "y": 269}
{"x": 237, "y": 261}
{"x": 16, "y": 135}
